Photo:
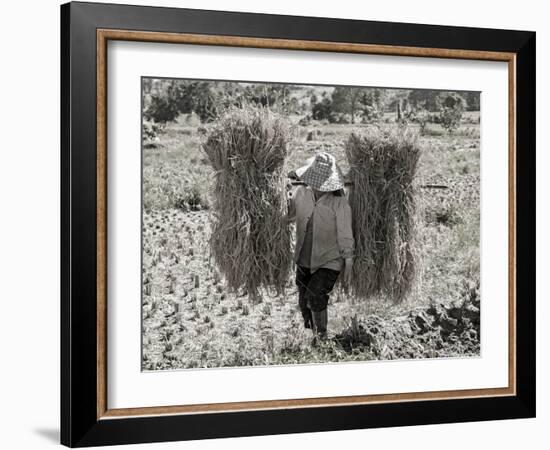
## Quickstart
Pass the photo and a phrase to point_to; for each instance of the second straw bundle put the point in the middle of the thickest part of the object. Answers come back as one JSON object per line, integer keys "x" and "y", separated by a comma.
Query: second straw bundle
{"x": 383, "y": 165}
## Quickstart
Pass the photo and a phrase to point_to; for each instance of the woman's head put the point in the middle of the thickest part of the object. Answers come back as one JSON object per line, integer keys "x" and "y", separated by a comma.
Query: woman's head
{"x": 322, "y": 173}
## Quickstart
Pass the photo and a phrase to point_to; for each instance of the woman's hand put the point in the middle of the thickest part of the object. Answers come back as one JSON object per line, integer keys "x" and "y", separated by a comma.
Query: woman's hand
{"x": 348, "y": 265}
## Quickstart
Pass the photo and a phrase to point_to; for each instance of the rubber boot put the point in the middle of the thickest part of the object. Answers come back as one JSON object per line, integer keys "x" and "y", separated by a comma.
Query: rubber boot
{"x": 320, "y": 324}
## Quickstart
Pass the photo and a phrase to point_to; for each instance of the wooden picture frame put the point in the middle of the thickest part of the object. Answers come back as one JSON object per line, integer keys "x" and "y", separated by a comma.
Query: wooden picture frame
{"x": 86, "y": 418}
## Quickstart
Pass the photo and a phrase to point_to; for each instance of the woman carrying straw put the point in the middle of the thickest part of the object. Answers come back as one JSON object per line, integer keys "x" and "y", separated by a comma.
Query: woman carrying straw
{"x": 324, "y": 239}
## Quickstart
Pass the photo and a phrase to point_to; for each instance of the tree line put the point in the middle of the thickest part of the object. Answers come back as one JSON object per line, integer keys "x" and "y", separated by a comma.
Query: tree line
{"x": 165, "y": 100}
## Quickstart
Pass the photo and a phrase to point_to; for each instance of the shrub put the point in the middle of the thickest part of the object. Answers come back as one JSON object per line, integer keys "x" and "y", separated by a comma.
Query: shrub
{"x": 322, "y": 110}
{"x": 161, "y": 109}
{"x": 445, "y": 213}
{"x": 305, "y": 121}
{"x": 339, "y": 118}
{"x": 193, "y": 200}
{"x": 420, "y": 115}
{"x": 452, "y": 109}
{"x": 151, "y": 131}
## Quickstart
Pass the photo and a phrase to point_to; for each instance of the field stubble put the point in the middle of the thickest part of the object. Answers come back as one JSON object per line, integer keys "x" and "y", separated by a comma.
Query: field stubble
{"x": 190, "y": 320}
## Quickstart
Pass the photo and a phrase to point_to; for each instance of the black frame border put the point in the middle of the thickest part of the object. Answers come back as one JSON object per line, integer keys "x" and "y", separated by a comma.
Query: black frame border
{"x": 79, "y": 424}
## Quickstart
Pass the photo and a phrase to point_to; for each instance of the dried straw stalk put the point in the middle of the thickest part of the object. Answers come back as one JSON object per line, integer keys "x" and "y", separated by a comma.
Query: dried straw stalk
{"x": 383, "y": 164}
{"x": 250, "y": 240}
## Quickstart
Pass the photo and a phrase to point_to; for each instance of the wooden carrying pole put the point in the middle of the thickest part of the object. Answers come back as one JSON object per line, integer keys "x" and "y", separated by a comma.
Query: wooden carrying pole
{"x": 348, "y": 183}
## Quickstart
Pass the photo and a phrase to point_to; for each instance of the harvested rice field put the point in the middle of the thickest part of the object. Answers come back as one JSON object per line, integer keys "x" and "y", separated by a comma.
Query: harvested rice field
{"x": 190, "y": 319}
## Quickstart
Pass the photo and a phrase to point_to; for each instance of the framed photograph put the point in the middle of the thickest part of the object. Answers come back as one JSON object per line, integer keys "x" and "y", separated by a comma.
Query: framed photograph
{"x": 277, "y": 224}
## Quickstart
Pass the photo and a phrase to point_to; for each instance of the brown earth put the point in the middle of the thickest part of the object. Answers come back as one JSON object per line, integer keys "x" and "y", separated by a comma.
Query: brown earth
{"x": 437, "y": 331}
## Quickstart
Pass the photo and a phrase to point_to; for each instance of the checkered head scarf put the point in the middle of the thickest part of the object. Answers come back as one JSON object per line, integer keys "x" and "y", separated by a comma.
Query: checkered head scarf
{"x": 322, "y": 173}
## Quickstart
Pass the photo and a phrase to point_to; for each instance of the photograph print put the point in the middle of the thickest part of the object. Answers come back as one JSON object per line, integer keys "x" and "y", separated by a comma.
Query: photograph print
{"x": 296, "y": 224}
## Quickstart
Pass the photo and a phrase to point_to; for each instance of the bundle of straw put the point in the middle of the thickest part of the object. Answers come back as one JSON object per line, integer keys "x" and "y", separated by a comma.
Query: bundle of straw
{"x": 251, "y": 238}
{"x": 383, "y": 199}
